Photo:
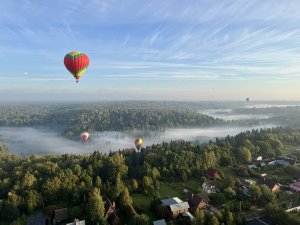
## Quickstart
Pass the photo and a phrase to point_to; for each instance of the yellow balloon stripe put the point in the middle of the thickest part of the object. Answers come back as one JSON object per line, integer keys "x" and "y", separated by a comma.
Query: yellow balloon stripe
{"x": 74, "y": 55}
{"x": 80, "y": 73}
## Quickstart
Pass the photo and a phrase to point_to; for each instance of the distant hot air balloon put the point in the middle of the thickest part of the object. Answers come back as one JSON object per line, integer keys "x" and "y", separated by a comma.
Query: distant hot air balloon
{"x": 138, "y": 143}
{"x": 84, "y": 136}
{"x": 76, "y": 63}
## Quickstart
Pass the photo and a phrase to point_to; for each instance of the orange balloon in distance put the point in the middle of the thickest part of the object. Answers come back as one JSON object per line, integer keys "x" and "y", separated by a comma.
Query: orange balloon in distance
{"x": 76, "y": 62}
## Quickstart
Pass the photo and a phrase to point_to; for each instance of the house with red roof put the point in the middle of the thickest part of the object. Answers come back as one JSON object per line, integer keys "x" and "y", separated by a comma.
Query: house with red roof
{"x": 212, "y": 174}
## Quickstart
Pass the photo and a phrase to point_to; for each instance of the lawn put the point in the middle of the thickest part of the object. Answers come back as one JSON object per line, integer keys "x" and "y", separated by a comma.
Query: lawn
{"x": 230, "y": 172}
{"x": 143, "y": 201}
{"x": 176, "y": 189}
{"x": 291, "y": 148}
{"x": 171, "y": 190}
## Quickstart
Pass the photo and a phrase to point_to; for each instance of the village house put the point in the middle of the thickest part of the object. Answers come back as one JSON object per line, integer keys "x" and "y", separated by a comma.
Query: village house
{"x": 252, "y": 166}
{"x": 295, "y": 186}
{"x": 209, "y": 187}
{"x": 37, "y": 218}
{"x": 187, "y": 217}
{"x": 262, "y": 164}
{"x": 60, "y": 215}
{"x": 282, "y": 162}
{"x": 159, "y": 222}
{"x": 242, "y": 171}
{"x": 212, "y": 174}
{"x": 77, "y": 222}
{"x": 249, "y": 181}
{"x": 272, "y": 184}
{"x": 257, "y": 158}
{"x": 296, "y": 177}
{"x": 286, "y": 160}
{"x": 244, "y": 189}
{"x": 175, "y": 207}
{"x": 199, "y": 200}
{"x": 271, "y": 162}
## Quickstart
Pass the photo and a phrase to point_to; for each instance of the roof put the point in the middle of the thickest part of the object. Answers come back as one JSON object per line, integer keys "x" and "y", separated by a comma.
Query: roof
{"x": 252, "y": 166}
{"x": 179, "y": 206}
{"x": 295, "y": 186}
{"x": 171, "y": 201}
{"x": 37, "y": 218}
{"x": 159, "y": 222}
{"x": 256, "y": 221}
{"x": 255, "y": 156}
{"x": 77, "y": 222}
{"x": 178, "y": 200}
{"x": 242, "y": 170}
{"x": 297, "y": 176}
{"x": 61, "y": 214}
{"x": 283, "y": 162}
{"x": 188, "y": 214}
{"x": 211, "y": 172}
{"x": 197, "y": 198}
{"x": 270, "y": 183}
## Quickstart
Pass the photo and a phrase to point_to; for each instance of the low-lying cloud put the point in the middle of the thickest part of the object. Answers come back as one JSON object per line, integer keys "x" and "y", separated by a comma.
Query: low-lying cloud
{"x": 227, "y": 114}
{"x": 28, "y": 141}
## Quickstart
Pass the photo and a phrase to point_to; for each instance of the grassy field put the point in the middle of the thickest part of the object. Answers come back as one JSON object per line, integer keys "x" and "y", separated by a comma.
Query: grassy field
{"x": 176, "y": 189}
{"x": 230, "y": 172}
{"x": 143, "y": 201}
{"x": 167, "y": 190}
{"x": 289, "y": 148}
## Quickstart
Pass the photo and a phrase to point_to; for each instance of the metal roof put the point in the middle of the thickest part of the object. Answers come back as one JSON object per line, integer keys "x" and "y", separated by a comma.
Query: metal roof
{"x": 179, "y": 206}
{"x": 188, "y": 214}
{"x": 82, "y": 222}
{"x": 171, "y": 201}
{"x": 159, "y": 222}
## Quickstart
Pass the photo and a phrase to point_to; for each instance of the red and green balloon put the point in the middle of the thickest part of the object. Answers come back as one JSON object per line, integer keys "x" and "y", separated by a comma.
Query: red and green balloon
{"x": 77, "y": 63}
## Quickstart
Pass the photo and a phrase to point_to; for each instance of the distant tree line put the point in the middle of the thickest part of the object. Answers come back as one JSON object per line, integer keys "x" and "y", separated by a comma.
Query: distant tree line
{"x": 101, "y": 117}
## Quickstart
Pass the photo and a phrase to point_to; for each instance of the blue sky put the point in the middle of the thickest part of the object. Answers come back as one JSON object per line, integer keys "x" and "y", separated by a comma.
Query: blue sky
{"x": 138, "y": 49}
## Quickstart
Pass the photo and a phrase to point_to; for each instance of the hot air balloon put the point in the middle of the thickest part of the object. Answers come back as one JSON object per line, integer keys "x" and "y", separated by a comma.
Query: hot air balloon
{"x": 138, "y": 143}
{"x": 76, "y": 63}
{"x": 84, "y": 136}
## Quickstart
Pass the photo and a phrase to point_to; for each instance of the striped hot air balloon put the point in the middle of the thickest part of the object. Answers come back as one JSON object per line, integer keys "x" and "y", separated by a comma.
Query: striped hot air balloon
{"x": 76, "y": 63}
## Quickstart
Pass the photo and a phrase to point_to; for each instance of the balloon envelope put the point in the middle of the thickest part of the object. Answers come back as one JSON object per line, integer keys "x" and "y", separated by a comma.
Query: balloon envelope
{"x": 138, "y": 143}
{"x": 84, "y": 136}
{"x": 77, "y": 63}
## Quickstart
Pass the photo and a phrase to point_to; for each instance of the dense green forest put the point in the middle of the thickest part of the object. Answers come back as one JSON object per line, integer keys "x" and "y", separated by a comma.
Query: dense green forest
{"x": 134, "y": 115}
{"x": 73, "y": 119}
{"x": 82, "y": 182}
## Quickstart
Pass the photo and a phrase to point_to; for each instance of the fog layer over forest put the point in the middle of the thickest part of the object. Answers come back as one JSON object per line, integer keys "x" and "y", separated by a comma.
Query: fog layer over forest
{"x": 35, "y": 140}
{"x": 27, "y": 141}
